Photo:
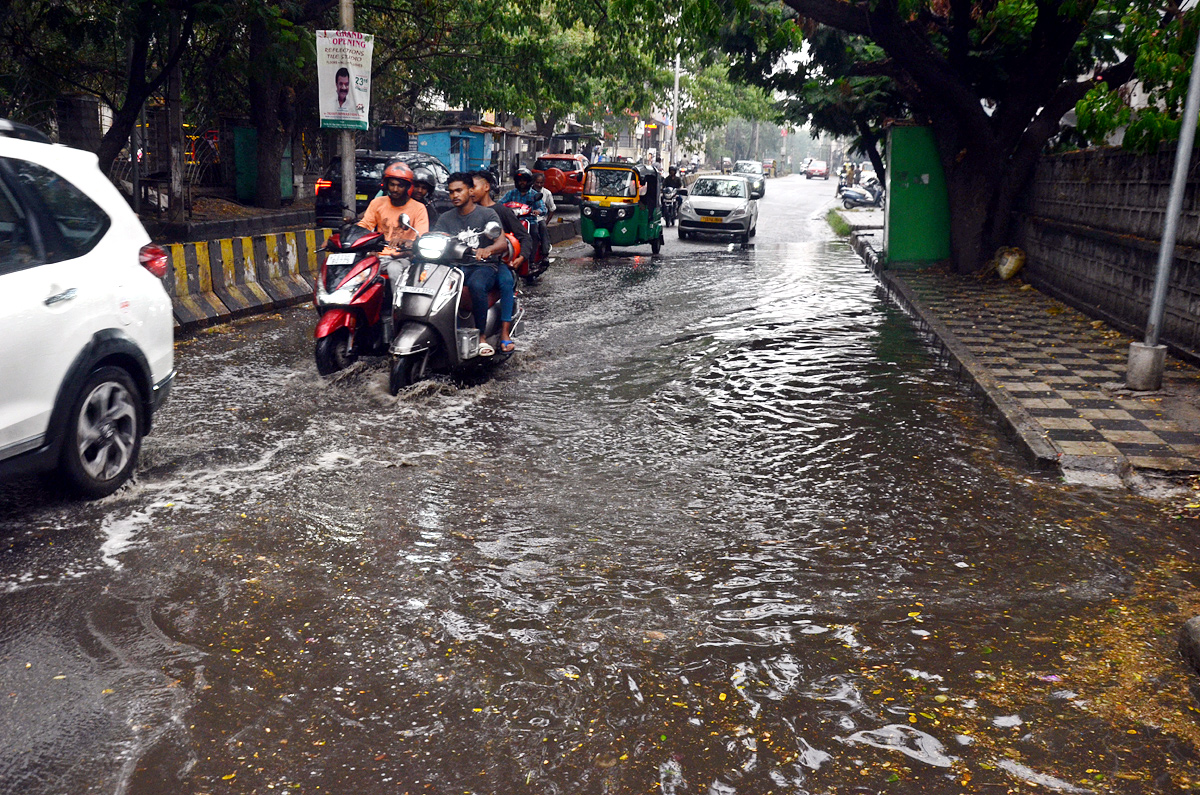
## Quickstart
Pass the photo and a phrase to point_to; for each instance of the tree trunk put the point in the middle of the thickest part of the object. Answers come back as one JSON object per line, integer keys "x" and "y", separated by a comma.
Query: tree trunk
{"x": 264, "y": 96}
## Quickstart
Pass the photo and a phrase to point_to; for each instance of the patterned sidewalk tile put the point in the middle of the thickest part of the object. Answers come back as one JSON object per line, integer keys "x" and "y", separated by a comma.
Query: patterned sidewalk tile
{"x": 1063, "y": 369}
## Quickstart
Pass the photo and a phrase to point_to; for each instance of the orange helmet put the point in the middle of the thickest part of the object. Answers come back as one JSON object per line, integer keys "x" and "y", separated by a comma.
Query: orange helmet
{"x": 398, "y": 169}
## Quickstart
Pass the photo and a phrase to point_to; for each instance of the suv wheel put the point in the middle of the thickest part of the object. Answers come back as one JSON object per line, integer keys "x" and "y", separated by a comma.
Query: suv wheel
{"x": 104, "y": 433}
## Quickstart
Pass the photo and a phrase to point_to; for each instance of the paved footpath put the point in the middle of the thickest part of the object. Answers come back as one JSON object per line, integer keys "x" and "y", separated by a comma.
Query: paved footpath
{"x": 1056, "y": 377}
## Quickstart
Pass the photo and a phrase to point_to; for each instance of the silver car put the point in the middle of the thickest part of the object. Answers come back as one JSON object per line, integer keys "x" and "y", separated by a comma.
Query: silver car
{"x": 720, "y": 205}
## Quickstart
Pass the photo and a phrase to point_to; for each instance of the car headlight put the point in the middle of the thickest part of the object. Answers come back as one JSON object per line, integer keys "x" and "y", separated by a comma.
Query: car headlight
{"x": 686, "y": 207}
{"x": 737, "y": 212}
{"x": 587, "y": 210}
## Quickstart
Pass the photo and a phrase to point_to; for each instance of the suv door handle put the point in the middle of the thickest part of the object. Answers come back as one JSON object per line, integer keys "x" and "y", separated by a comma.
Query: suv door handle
{"x": 65, "y": 295}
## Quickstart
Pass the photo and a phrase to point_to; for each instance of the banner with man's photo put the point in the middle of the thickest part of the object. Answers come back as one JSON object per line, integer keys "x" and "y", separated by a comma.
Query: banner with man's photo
{"x": 344, "y": 78}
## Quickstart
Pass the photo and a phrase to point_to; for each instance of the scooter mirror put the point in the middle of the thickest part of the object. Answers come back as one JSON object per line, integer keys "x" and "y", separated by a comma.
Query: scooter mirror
{"x": 404, "y": 219}
{"x": 493, "y": 229}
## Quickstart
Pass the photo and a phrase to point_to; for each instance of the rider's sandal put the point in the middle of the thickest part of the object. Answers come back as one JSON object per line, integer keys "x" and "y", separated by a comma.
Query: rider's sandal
{"x": 486, "y": 349}
{"x": 507, "y": 346}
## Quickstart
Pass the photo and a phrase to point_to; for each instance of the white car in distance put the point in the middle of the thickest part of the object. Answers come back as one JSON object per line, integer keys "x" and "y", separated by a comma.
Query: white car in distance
{"x": 719, "y": 205}
{"x": 86, "y": 330}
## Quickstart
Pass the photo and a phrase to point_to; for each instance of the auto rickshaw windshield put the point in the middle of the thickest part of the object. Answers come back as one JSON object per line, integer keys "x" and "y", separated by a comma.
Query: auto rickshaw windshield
{"x": 617, "y": 182}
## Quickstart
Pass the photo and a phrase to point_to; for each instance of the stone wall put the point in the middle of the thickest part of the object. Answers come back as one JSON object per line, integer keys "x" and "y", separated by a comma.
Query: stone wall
{"x": 1091, "y": 224}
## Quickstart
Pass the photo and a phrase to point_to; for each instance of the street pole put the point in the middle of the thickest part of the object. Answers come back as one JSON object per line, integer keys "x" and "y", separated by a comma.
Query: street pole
{"x": 674, "y": 114}
{"x": 1144, "y": 370}
{"x": 349, "y": 182}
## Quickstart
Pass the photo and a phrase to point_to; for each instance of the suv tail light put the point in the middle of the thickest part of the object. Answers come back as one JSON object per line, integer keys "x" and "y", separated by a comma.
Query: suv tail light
{"x": 154, "y": 259}
{"x": 322, "y": 183}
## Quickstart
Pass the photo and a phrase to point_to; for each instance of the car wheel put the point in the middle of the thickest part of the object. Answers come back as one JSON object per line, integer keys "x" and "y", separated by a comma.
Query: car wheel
{"x": 104, "y": 433}
{"x": 753, "y": 231}
{"x": 682, "y": 234}
{"x": 744, "y": 239}
{"x": 333, "y": 352}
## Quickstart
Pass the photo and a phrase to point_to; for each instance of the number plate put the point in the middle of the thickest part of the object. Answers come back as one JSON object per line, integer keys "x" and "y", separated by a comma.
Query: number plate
{"x": 340, "y": 259}
{"x": 708, "y": 219}
{"x": 418, "y": 291}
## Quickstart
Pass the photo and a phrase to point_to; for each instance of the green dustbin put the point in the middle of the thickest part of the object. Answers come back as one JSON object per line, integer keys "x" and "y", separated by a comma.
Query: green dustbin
{"x": 916, "y": 226}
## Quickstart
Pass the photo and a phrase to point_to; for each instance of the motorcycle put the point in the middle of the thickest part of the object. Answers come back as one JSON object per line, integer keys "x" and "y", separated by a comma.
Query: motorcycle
{"x": 352, "y": 297}
{"x": 670, "y": 205}
{"x": 869, "y": 194}
{"x": 536, "y": 263}
{"x": 436, "y": 328}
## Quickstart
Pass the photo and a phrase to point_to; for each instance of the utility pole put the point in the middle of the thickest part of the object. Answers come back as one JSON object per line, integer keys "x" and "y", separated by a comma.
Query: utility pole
{"x": 674, "y": 114}
{"x": 175, "y": 208}
{"x": 349, "y": 183}
{"x": 1144, "y": 369}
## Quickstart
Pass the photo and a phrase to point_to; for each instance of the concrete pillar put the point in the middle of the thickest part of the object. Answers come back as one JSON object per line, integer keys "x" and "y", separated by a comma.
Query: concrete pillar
{"x": 1144, "y": 370}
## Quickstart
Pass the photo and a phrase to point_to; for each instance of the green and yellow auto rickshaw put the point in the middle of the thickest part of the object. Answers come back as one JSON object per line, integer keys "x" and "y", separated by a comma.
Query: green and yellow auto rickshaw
{"x": 620, "y": 207}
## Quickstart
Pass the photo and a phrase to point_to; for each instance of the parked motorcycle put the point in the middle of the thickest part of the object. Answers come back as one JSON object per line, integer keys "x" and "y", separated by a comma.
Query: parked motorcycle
{"x": 869, "y": 194}
{"x": 670, "y": 205}
{"x": 436, "y": 328}
{"x": 536, "y": 262}
{"x": 353, "y": 299}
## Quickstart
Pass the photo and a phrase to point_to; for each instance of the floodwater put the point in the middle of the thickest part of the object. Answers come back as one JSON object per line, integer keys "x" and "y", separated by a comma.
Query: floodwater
{"x": 725, "y": 525}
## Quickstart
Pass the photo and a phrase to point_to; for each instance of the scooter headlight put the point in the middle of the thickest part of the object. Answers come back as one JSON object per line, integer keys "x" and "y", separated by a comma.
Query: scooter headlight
{"x": 345, "y": 292}
{"x": 432, "y": 246}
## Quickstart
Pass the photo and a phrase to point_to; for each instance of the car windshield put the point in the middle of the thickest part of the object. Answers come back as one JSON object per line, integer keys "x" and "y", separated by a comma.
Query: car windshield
{"x": 561, "y": 163}
{"x": 748, "y": 167}
{"x": 610, "y": 182}
{"x": 725, "y": 188}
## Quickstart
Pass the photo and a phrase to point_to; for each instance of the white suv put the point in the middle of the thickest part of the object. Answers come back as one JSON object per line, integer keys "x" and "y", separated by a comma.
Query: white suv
{"x": 86, "y": 335}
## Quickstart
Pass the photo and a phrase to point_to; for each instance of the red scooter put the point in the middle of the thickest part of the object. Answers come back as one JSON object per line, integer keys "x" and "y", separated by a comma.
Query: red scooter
{"x": 537, "y": 262}
{"x": 354, "y": 299}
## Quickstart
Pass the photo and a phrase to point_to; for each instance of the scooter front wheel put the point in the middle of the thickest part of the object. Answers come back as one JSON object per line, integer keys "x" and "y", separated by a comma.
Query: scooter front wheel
{"x": 333, "y": 352}
{"x": 405, "y": 371}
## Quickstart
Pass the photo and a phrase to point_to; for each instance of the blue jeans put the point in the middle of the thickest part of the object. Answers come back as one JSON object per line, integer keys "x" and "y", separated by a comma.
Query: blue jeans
{"x": 508, "y": 293}
{"x": 480, "y": 280}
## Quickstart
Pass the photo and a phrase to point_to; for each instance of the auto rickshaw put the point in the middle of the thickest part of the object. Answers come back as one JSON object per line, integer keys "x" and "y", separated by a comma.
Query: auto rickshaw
{"x": 621, "y": 207}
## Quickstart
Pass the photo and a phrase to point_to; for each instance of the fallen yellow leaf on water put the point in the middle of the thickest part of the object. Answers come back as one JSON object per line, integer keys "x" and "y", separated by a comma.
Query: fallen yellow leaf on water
{"x": 60, "y": 676}
{"x": 722, "y": 697}
{"x": 231, "y": 775}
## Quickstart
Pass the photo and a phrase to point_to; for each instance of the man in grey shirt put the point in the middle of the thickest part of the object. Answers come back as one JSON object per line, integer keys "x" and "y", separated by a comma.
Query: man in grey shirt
{"x": 467, "y": 223}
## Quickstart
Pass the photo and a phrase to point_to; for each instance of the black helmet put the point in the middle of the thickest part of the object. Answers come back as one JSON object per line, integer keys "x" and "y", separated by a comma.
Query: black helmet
{"x": 423, "y": 176}
{"x": 523, "y": 173}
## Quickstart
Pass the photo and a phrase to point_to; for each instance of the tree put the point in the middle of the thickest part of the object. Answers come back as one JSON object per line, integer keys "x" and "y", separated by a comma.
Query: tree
{"x": 992, "y": 78}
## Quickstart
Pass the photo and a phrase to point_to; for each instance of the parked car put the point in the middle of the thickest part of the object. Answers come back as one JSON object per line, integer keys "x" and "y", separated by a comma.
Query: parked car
{"x": 568, "y": 187}
{"x": 817, "y": 168}
{"x": 86, "y": 332}
{"x": 752, "y": 170}
{"x": 369, "y": 172}
{"x": 720, "y": 205}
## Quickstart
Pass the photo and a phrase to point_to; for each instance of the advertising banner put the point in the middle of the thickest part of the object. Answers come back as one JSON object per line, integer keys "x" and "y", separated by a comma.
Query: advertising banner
{"x": 344, "y": 78}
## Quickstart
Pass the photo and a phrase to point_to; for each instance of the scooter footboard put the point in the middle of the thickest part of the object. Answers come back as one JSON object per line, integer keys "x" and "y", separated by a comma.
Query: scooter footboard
{"x": 414, "y": 338}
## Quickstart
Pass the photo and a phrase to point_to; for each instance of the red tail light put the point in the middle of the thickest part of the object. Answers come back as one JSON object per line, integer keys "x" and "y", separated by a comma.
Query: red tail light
{"x": 323, "y": 183}
{"x": 154, "y": 259}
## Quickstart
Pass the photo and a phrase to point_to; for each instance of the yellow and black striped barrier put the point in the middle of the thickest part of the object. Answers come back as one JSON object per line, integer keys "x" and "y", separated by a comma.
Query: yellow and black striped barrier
{"x": 215, "y": 280}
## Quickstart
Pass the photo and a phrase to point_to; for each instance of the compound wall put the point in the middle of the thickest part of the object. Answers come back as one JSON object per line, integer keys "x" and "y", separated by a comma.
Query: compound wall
{"x": 1091, "y": 224}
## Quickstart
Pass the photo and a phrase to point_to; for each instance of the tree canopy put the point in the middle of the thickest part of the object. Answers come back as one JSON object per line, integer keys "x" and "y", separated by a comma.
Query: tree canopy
{"x": 992, "y": 78}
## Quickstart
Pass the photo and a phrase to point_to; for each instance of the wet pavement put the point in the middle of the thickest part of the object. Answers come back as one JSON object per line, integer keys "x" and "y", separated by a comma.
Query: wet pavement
{"x": 724, "y": 525}
{"x": 1055, "y": 375}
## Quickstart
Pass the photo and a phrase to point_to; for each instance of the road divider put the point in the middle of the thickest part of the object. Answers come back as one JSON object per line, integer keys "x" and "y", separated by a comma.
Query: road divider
{"x": 216, "y": 280}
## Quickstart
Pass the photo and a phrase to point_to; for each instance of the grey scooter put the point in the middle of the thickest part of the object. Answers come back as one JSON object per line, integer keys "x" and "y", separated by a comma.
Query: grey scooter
{"x": 436, "y": 329}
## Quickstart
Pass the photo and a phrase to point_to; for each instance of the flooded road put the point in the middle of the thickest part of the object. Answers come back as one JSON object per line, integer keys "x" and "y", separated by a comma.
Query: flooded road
{"x": 723, "y": 526}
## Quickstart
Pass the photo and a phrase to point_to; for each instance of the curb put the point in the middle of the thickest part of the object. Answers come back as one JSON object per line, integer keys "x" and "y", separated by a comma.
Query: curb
{"x": 213, "y": 281}
{"x": 1016, "y": 421}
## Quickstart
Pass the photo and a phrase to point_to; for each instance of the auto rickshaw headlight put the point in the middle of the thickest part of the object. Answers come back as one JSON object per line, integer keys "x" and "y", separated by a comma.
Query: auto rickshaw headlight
{"x": 587, "y": 210}
{"x": 622, "y": 213}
